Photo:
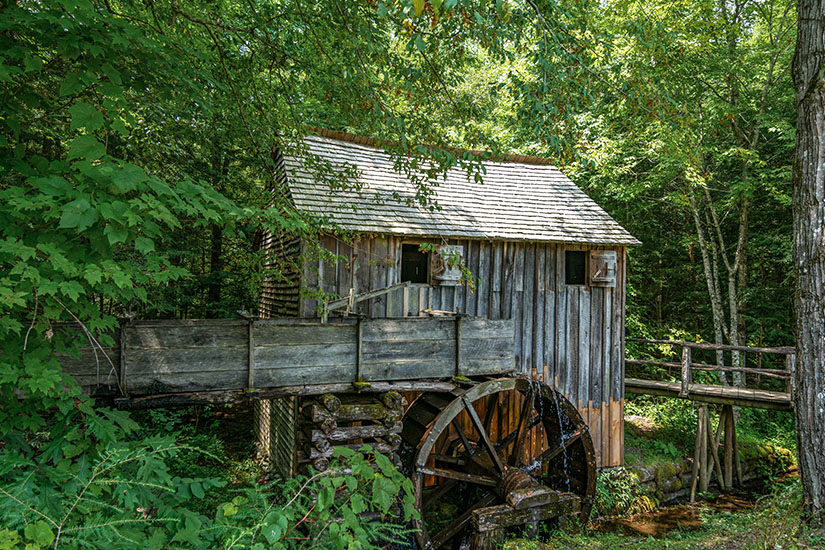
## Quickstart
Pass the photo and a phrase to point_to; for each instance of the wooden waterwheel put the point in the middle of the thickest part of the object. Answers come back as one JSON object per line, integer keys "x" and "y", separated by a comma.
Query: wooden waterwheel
{"x": 499, "y": 442}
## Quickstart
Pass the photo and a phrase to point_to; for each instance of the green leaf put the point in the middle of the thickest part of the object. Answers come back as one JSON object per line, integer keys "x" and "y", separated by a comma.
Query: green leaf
{"x": 70, "y": 85}
{"x": 144, "y": 245}
{"x": 87, "y": 147}
{"x": 78, "y": 214}
{"x": 418, "y": 5}
{"x": 86, "y": 116}
{"x": 39, "y": 532}
{"x": 228, "y": 509}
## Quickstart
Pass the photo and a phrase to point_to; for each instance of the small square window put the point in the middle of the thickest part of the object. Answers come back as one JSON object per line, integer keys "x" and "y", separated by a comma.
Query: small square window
{"x": 575, "y": 267}
{"x": 414, "y": 264}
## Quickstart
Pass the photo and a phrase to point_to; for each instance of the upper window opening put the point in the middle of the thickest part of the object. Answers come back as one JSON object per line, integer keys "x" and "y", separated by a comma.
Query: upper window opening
{"x": 414, "y": 264}
{"x": 575, "y": 267}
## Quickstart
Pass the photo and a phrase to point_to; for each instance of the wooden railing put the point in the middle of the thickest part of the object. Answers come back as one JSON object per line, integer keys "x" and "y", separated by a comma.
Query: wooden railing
{"x": 687, "y": 364}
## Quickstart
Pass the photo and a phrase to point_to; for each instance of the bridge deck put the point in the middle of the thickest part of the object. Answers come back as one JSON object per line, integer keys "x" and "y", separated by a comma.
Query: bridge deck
{"x": 704, "y": 393}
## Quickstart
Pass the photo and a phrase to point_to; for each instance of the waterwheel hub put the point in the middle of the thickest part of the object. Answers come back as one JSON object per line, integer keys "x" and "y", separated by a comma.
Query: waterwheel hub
{"x": 514, "y": 479}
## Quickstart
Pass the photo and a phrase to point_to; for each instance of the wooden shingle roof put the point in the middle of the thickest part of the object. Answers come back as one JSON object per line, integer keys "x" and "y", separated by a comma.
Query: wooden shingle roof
{"x": 526, "y": 200}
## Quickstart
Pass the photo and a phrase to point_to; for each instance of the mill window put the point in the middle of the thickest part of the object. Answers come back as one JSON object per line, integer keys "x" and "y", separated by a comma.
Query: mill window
{"x": 414, "y": 264}
{"x": 575, "y": 267}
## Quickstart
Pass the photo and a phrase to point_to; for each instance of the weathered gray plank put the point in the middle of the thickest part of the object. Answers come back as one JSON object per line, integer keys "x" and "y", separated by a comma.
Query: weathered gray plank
{"x": 328, "y": 270}
{"x": 388, "y": 351}
{"x": 306, "y": 355}
{"x": 266, "y": 335}
{"x": 528, "y": 302}
{"x": 495, "y": 280}
{"x": 477, "y": 367}
{"x": 572, "y": 388}
{"x": 607, "y": 344}
{"x": 561, "y": 322}
{"x": 182, "y": 361}
{"x": 479, "y": 327}
{"x": 583, "y": 367}
{"x": 550, "y": 315}
{"x": 407, "y": 370}
{"x": 516, "y": 305}
{"x": 475, "y": 348}
{"x": 596, "y": 342}
{"x": 164, "y": 382}
{"x": 329, "y": 374}
{"x": 470, "y": 305}
{"x": 361, "y": 254}
{"x": 201, "y": 336}
{"x": 309, "y": 279}
{"x": 378, "y": 274}
{"x": 508, "y": 277}
{"x": 483, "y": 290}
{"x": 408, "y": 329}
{"x": 538, "y": 333}
{"x": 86, "y": 364}
{"x": 617, "y": 368}
{"x": 343, "y": 280}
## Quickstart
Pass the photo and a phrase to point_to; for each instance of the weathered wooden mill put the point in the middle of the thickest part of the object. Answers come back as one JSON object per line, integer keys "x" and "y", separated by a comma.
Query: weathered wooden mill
{"x": 480, "y": 343}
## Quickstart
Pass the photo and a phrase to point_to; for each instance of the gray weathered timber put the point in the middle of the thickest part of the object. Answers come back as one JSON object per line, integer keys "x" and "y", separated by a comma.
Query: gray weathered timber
{"x": 162, "y": 357}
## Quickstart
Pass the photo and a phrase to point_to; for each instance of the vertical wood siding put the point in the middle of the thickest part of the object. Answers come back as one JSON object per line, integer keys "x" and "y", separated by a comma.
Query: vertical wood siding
{"x": 573, "y": 336}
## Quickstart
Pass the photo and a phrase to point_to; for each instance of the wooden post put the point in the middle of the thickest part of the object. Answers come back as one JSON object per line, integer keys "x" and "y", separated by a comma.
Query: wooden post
{"x": 737, "y": 462}
{"x": 729, "y": 427}
{"x": 262, "y": 409}
{"x": 700, "y": 434}
{"x": 458, "y": 345}
{"x": 122, "y": 373}
{"x": 790, "y": 365}
{"x": 358, "y": 344}
{"x": 715, "y": 455}
{"x": 686, "y": 376}
{"x": 704, "y": 471}
{"x": 250, "y": 364}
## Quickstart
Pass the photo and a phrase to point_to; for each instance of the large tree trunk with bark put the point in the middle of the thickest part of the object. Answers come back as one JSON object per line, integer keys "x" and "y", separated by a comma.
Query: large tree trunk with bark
{"x": 809, "y": 253}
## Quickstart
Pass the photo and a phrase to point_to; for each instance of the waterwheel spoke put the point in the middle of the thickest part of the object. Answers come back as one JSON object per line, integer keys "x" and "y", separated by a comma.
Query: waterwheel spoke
{"x": 522, "y": 430}
{"x": 510, "y": 437}
{"x": 463, "y": 437}
{"x": 550, "y": 454}
{"x": 458, "y": 476}
{"x": 491, "y": 409}
{"x": 458, "y": 524}
{"x": 485, "y": 439}
{"x": 449, "y": 459}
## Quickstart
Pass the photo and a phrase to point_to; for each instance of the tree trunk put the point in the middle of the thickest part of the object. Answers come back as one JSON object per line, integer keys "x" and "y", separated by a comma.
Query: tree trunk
{"x": 213, "y": 293}
{"x": 809, "y": 254}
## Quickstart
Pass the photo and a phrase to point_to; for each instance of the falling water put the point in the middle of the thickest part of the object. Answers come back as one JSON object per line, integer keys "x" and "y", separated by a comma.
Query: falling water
{"x": 563, "y": 439}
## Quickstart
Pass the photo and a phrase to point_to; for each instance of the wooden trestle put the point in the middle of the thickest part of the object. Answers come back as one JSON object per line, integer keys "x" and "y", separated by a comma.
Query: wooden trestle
{"x": 706, "y": 458}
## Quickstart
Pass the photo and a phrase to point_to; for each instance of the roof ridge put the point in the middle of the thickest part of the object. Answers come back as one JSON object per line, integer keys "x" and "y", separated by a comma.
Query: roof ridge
{"x": 376, "y": 143}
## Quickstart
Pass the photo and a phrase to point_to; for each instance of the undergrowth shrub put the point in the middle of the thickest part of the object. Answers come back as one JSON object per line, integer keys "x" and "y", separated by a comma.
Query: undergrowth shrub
{"x": 778, "y": 521}
{"x": 85, "y": 486}
{"x": 618, "y": 492}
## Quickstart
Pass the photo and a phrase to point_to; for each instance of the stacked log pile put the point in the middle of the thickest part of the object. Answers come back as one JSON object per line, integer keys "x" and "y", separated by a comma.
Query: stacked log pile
{"x": 349, "y": 420}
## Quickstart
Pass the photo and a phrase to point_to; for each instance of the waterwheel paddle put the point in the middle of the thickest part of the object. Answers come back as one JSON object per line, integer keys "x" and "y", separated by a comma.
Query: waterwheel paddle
{"x": 475, "y": 447}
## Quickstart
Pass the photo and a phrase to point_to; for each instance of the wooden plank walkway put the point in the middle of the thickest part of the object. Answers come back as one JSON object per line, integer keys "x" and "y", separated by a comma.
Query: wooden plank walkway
{"x": 705, "y": 393}
{"x": 721, "y": 394}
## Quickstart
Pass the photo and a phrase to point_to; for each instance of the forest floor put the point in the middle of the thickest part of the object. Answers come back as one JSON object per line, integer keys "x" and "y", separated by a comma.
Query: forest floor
{"x": 729, "y": 522}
